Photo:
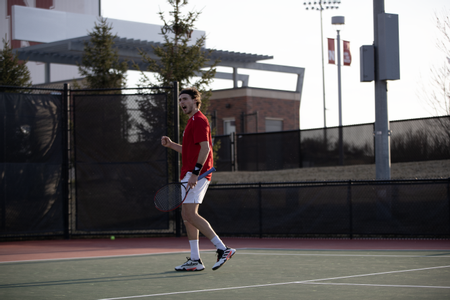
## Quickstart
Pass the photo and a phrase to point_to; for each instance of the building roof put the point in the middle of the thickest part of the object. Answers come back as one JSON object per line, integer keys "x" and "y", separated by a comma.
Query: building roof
{"x": 70, "y": 51}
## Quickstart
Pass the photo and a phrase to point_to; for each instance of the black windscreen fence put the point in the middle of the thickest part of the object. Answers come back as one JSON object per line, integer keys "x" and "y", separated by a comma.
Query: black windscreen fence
{"x": 411, "y": 140}
{"x": 223, "y": 158}
{"x": 31, "y": 164}
{"x": 119, "y": 162}
{"x": 350, "y": 209}
{"x": 420, "y": 139}
{"x": 268, "y": 151}
{"x": 93, "y": 167}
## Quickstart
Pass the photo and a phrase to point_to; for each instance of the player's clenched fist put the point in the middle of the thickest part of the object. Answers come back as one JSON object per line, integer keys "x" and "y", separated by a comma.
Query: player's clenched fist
{"x": 165, "y": 141}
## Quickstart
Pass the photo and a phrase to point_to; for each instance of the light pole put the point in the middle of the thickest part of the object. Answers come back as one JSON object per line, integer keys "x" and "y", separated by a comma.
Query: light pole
{"x": 319, "y": 5}
{"x": 339, "y": 21}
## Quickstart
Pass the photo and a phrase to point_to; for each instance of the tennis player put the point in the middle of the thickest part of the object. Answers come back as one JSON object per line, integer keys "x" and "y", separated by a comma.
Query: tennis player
{"x": 197, "y": 157}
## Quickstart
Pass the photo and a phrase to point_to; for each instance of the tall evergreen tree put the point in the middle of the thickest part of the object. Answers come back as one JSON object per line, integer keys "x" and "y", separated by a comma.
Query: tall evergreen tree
{"x": 100, "y": 63}
{"x": 179, "y": 57}
{"x": 101, "y": 68}
{"x": 13, "y": 72}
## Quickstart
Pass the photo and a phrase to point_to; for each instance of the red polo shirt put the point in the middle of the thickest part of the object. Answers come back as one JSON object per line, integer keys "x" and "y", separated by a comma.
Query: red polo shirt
{"x": 197, "y": 130}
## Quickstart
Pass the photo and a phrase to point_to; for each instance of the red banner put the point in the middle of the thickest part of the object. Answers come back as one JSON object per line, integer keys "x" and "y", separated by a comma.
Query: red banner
{"x": 331, "y": 52}
{"x": 347, "y": 54}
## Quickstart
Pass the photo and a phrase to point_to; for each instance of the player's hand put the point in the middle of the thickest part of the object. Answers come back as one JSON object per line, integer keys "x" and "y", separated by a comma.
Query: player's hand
{"x": 166, "y": 141}
{"x": 192, "y": 182}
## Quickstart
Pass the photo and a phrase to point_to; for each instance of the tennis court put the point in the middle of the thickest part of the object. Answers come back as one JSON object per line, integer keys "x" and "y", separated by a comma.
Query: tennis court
{"x": 261, "y": 269}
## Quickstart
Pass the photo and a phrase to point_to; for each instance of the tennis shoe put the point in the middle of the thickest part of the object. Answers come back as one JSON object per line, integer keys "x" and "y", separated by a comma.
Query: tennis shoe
{"x": 223, "y": 256}
{"x": 191, "y": 265}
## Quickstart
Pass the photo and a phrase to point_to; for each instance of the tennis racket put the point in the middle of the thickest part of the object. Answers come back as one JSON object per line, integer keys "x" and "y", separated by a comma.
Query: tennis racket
{"x": 172, "y": 195}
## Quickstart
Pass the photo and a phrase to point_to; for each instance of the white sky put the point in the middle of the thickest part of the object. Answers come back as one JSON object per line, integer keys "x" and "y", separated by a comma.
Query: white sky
{"x": 287, "y": 31}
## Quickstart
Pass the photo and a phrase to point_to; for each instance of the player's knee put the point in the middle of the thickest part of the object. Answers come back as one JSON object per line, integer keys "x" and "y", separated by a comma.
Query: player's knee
{"x": 188, "y": 216}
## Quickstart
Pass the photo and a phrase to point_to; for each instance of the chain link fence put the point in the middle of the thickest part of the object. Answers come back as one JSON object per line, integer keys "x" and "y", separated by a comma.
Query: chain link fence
{"x": 82, "y": 163}
{"x": 348, "y": 209}
{"x": 119, "y": 162}
{"x": 31, "y": 162}
{"x": 411, "y": 140}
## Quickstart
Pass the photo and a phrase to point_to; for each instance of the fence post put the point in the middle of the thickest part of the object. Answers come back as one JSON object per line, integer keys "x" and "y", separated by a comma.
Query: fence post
{"x": 300, "y": 160}
{"x": 350, "y": 208}
{"x": 65, "y": 159}
{"x": 257, "y": 152}
{"x": 448, "y": 199}
{"x": 341, "y": 145}
{"x": 176, "y": 139}
{"x": 3, "y": 185}
{"x": 176, "y": 129}
{"x": 260, "y": 211}
{"x": 233, "y": 146}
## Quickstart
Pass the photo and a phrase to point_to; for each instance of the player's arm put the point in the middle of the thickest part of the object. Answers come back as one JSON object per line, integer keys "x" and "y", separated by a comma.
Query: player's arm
{"x": 167, "y": 142}
{"x": 202, "y": 156}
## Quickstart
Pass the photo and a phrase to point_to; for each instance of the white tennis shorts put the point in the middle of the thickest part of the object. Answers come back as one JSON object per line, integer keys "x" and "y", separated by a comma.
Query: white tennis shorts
{"x": 196, "y": 194}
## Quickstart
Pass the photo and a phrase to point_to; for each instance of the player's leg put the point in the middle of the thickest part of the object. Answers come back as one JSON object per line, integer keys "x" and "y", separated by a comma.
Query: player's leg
{"x": 193, "y": 234}
{"x": 193, "y": 263}
{"x": 195, "y": 223}
{"x": 190, "y": 210}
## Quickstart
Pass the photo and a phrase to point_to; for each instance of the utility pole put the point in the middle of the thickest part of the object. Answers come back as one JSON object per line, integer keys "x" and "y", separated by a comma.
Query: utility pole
{"x": 382, "y": 132}
{"x": 380, "y": 62}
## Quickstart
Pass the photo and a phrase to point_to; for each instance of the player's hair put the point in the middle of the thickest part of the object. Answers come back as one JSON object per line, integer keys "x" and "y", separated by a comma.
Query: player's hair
{"x": 195, "y": 95}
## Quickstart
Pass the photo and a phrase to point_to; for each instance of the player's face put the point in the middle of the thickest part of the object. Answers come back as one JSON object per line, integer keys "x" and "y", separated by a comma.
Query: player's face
{"x": 187, "y": 104}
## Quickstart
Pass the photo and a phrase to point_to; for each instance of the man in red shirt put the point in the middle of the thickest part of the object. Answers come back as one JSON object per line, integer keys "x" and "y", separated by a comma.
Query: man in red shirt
{"x": 197, "y": 157}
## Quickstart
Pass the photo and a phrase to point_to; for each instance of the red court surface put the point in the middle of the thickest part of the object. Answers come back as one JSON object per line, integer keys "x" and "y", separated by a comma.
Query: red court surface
{"x": 86, "y": 248}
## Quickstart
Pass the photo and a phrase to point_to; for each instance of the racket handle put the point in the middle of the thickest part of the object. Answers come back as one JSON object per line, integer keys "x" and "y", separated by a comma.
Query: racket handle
{"x": 206, "y": 173}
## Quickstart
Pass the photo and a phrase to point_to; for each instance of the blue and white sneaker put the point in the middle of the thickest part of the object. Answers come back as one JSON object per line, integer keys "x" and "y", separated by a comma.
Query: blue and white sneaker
{"x": 191, "y": 265}
{"x": 223, "y": 256}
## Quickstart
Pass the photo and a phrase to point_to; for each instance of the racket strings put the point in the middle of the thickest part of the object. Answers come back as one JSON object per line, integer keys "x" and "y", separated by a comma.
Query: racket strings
{"x": 169, "y": 197}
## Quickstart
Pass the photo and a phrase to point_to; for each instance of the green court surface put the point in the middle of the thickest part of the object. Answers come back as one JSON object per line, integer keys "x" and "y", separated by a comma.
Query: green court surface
{"x": 250, "y": 274}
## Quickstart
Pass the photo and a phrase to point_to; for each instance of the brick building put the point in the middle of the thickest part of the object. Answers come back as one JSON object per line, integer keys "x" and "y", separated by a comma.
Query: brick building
{"x": 247, "y": 109}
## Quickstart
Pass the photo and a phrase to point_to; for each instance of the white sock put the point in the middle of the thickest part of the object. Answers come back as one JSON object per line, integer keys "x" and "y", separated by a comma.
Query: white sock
{"x": 195, "y": 252}
{"x": 218, "y": 243}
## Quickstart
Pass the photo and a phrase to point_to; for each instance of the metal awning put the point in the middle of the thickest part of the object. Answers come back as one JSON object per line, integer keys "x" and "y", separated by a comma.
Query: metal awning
{"x": 69, "y": 52}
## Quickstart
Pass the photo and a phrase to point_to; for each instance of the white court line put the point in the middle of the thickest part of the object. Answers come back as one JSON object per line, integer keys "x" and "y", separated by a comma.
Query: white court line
{"x": 332, "y": 255}
{"x": 91, "y": 257}
{"x": 382, "y": 285}
{"x": 240, "y": 253}
{"x": 312, "y": 281}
